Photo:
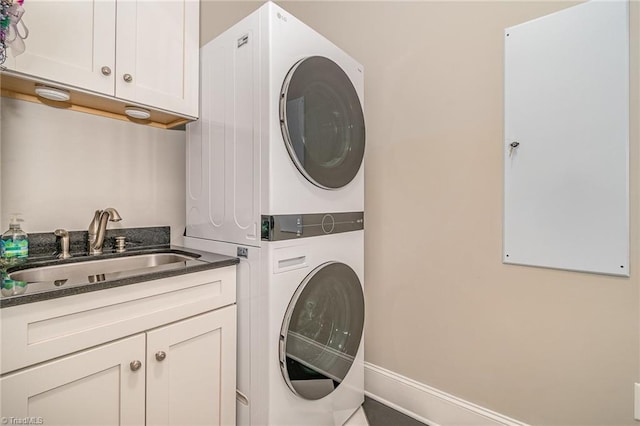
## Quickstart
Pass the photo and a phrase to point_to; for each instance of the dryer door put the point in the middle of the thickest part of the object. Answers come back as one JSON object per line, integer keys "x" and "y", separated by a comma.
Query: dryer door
{"x": 322, "y": 330}
{"x": 322, "y": 122}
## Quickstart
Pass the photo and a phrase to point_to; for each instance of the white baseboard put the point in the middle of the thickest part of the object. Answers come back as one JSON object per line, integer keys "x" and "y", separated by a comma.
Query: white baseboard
{"x": 426, "y": 404}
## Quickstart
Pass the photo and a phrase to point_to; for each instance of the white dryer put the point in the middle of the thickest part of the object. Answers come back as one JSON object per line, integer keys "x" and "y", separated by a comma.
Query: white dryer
{"x": 281, "y": 129}
{"x": 300, "y": 329}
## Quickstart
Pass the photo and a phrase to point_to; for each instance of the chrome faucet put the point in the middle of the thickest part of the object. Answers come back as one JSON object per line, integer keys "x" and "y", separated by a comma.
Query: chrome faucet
{"x": 98, "y": 228}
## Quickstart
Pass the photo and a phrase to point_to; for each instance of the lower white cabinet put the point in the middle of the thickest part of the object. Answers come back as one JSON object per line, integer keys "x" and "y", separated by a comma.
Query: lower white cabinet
{"x": 163, "y": 353}
{"x": 191, "y": 370}
{"x": 190, "y": 379}
{"x": 92, "y": 387}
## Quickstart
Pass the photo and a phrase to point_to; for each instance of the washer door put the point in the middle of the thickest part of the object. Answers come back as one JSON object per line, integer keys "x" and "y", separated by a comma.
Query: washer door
{"x": 322, "y": 330}
{"x": 322, "y": 122}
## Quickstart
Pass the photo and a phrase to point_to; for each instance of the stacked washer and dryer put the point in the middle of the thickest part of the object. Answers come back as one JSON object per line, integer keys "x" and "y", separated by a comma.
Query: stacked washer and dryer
{"x": 275, "y": 176}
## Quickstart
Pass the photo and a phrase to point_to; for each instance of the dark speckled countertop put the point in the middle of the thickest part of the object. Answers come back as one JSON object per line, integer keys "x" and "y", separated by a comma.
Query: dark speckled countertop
{"x": 40, "y": 291}
{"x": 45, "y": 290}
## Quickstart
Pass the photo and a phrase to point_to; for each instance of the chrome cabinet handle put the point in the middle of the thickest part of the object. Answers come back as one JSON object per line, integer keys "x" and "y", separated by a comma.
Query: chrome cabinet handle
{"x": 161, "y": 355}
{"x": 135, "y": 365}
{"x": 106, "y": 70}
{"x": 128, "y": 78}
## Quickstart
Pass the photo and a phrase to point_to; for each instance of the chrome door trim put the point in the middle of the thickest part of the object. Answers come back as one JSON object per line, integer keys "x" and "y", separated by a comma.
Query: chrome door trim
{"x": 286, "y": 322}
{"x": 284, "y": 125}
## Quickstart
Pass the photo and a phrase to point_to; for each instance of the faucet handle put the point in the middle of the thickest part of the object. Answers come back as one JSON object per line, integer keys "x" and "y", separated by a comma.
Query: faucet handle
{"x": 120, "y": 244}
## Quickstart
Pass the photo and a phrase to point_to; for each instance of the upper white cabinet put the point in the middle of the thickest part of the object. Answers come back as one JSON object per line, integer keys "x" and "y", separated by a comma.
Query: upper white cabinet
{"x": 141, "y": 51}
{"x": 157, "y": 46}
{"x": 69, "y": 42}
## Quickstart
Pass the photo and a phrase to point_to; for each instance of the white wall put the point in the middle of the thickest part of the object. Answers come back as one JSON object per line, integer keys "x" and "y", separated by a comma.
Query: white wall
{"x": 59, "y": 166}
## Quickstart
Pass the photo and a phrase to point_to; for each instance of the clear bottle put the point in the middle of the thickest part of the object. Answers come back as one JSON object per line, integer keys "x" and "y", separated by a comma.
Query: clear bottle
{"x": 14, "y": 244}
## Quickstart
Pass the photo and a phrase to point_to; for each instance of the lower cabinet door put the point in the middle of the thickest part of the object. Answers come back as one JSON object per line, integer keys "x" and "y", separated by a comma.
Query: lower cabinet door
{"x": 99, "y": 386}
{"x": 191, "y": 371}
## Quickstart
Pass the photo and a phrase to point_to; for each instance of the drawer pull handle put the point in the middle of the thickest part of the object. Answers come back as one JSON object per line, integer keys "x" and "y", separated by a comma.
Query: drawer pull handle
{"x": 135, "y": 365}
{"x": 161, "y": 355}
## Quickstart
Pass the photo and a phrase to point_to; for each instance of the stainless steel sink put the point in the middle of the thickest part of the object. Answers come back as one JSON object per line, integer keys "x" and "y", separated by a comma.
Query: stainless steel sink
{"x": 86, "y": 272}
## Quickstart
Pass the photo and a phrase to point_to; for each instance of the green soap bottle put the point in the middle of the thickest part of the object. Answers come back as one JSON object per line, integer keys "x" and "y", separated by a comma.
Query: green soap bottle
{"x": 14, "y": 244}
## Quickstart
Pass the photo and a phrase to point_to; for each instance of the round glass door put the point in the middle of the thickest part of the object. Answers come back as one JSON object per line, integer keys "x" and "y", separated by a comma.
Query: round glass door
{"x": 321, "y": 331}
{"x": 322, "y": 122}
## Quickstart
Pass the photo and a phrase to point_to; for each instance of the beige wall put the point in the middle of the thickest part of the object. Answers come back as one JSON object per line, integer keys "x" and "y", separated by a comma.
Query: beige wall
{"x": 59, "y": 166}
{"x": 546, "y": 347}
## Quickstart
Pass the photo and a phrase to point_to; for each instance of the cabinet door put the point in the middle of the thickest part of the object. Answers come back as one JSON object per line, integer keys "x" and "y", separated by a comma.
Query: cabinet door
{"x": 92, "y": 387}
{"x": 69, "y": 42}
{"x": 157, "y": 53}
{"x": 191, "y": 371}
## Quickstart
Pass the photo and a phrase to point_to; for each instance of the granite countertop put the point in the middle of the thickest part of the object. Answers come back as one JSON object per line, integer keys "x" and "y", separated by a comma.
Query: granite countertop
{"x": 39, "y": 291}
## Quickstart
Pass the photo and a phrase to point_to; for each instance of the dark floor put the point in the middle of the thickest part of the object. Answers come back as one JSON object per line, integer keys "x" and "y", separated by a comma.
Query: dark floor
{"x": 380, "y": 415}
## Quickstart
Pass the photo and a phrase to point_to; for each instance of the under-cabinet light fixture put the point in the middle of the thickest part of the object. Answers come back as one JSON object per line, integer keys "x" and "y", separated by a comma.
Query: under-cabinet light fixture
{"x": 139, "y": 113}
{"x": 52, "y": 93}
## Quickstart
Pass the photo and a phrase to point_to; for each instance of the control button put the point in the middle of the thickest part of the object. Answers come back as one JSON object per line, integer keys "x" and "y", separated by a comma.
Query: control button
{"x": 328, "y": 224}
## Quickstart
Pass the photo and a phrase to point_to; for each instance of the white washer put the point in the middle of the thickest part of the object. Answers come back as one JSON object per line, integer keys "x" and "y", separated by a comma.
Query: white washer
{"x": 281, "y": 129}
{"x": 300, "y": 329}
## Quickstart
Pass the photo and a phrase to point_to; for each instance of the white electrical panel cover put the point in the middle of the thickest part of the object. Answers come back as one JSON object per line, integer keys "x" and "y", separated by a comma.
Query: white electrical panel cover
{"x": 566, "y": 146}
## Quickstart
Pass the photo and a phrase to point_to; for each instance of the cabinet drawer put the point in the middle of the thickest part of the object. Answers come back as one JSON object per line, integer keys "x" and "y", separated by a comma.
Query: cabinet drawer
{"x": 48, "y": 329}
